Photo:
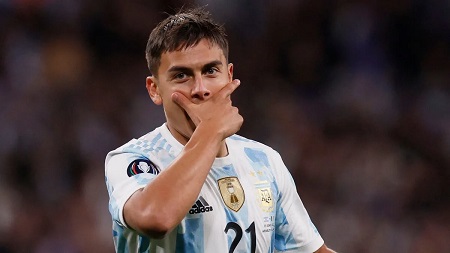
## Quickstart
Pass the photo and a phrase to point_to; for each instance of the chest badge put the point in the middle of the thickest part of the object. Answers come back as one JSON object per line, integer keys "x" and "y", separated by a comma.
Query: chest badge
{"x": 232, "y": 192}
{"x": 264, "y": 196}
{"x": 266, "y": 199}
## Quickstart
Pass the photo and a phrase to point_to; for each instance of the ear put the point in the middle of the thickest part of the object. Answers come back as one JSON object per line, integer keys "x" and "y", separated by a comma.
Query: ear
{"x": 230, "y": 71}
{"x": 153, "y": 90}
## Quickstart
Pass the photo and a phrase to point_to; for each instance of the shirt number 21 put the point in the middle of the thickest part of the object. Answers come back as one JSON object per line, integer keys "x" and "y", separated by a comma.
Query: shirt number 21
{"x": 238, "y": 230}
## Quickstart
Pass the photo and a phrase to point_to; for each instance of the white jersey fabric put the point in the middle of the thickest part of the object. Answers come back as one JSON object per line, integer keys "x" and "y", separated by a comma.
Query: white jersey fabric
{"x": 248, "y": 203}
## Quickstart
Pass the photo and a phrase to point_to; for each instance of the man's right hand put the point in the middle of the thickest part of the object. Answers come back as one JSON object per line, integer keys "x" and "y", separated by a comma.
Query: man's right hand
{"x": 216, "y": 113}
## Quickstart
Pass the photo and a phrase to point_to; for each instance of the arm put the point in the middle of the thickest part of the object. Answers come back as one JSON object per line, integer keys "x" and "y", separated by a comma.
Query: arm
{"x": 176, "y": 188}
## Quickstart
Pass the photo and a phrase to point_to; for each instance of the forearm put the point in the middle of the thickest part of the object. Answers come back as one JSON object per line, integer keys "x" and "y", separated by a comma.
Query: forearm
{"x": 176, "y": 188}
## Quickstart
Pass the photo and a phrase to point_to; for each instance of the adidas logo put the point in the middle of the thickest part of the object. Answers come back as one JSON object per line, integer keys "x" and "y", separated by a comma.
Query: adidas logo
{"x": 200, "y": 206}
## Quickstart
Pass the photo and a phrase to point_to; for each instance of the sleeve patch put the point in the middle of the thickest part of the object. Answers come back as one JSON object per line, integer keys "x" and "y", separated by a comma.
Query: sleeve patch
{"x": 142, "y": 166}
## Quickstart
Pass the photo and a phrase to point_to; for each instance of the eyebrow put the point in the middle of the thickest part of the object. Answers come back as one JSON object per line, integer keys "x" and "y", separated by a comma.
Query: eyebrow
{"x": 211, "y": 64}
{"x": 189, "y": 70}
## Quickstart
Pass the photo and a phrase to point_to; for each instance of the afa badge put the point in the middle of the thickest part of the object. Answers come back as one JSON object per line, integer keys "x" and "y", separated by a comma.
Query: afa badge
{"x": 264, "y": 196}
{"x": 232, "y": 192}
{"x": 142, "y": 166}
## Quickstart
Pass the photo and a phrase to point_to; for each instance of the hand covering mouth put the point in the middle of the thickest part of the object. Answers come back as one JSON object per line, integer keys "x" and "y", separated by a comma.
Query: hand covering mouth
{"x": 189, "y": 120}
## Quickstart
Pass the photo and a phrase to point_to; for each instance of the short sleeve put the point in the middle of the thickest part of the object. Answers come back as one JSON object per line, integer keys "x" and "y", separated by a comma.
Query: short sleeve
{"x": 125, "y": 173}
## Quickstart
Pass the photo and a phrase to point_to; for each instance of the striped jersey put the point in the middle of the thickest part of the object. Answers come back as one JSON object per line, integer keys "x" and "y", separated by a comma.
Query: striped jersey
{"x": 248, "y": 202}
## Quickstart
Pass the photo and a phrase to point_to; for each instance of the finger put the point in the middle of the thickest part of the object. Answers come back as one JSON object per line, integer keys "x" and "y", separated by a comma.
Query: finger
{"x": 231, "y": 87}
{"x": 182, "y": 101}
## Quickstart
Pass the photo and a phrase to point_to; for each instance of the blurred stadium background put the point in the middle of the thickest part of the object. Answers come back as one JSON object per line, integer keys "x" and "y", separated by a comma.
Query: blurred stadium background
{"x": 354, "y": 95}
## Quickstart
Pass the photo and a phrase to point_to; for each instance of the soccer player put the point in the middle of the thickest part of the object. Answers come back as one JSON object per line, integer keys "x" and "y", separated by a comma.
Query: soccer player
{"x": 193, "y": 185}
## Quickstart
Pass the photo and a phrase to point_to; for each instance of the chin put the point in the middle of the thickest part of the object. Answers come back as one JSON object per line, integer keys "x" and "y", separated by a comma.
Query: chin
{"x": 190, "y": 123}
{"x": 183, "y": 127}
{"x": 190, "y": 128}
{"x": 186, "y": 129}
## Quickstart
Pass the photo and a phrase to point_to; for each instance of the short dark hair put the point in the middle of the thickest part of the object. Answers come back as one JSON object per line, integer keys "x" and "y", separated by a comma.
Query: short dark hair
{"x": 183, "y": 30}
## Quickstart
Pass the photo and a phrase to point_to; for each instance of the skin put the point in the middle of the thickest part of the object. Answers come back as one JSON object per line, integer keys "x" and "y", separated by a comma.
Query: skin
{"x": 186, "y": 80}
{"x": 194, "y": 86}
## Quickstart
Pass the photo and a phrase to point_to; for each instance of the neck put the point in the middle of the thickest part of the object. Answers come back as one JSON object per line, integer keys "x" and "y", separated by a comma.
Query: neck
{"x": 223, "y": 151}
{"x": 183, "y": 139}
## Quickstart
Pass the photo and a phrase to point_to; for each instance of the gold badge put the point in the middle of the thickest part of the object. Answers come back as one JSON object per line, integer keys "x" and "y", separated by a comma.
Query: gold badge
{"x": 232, "y": 192}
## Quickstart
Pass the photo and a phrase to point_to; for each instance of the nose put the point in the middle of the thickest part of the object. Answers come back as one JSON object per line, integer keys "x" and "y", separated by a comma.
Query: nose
{"x": 200, "y": 91}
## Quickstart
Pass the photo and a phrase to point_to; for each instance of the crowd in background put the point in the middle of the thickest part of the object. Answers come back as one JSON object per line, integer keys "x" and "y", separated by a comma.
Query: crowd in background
{"x": 355, "y": 95}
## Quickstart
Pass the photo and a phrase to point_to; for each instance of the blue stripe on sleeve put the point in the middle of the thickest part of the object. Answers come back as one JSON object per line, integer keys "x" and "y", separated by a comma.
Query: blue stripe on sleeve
{"x": 193, "y": 238}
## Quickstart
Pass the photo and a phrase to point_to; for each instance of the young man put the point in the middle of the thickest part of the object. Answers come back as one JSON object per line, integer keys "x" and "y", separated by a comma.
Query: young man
{"x": 192, "y": 184}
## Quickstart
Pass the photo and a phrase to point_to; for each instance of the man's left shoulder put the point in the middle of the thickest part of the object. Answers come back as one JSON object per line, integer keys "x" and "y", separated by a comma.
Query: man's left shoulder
{"x": 244, "y": 142}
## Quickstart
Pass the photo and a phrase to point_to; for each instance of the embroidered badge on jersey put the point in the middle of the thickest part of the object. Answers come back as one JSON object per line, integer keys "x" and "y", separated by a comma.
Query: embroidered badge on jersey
{"x": 232, "y": 192}
{"x": 142, "y": 166}
{"x": 264, "y": 195}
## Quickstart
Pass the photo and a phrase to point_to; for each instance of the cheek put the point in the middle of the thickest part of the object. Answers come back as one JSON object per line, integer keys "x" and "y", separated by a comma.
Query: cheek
{"x": 184, "y": 88}
{"x": 171, "y": 108}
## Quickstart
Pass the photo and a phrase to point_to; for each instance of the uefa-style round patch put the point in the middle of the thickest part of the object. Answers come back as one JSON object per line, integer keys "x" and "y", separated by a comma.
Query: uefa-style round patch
{"x": 142, "y": 166}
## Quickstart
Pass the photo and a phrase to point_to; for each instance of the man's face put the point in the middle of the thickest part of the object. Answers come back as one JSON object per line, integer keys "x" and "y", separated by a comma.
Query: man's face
{"x": 197, "y": 72}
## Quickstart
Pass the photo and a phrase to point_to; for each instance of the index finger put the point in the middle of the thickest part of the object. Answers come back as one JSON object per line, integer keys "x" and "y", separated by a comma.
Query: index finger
{"x": 230, "y": 87}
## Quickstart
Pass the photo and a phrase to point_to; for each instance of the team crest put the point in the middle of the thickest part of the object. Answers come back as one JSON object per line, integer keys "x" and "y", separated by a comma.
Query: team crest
{"x": 265, "y": 198}
{"x": 232, "y": 192}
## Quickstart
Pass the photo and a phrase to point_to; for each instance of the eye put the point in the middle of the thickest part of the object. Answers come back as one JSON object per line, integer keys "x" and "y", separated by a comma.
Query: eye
{"x": 180, "y": 76}
{"x": 211, "y": 71}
